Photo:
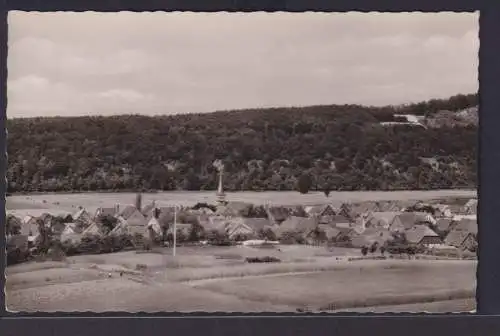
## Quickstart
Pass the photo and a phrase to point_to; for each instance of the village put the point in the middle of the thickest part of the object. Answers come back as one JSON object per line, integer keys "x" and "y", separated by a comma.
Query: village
{"x": 393, "y": 226}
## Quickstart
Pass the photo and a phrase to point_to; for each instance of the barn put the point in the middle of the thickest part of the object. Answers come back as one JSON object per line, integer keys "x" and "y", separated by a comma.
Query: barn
{"x": 422, "y": 235}
{"x": 461, "y": 239}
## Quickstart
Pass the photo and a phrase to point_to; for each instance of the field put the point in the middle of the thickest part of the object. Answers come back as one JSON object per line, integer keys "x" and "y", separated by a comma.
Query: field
{"x": 217, "y": 279}
{"x": 35, "y": 204}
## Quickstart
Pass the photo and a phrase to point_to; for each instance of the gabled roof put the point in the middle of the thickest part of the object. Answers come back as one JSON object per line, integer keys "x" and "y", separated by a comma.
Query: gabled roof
{"x": 418, "y": 232}
{"x": 298, "y": 225}
{"x": 334, "y": 220}
{"x": 147, "y": 209}
{"x": 128, "y": 211}
{"x": 444, "y": 224}
{"x": 467, "y": 224}
{"x": 472, "y": 202}
{"x": 471, "y": 206}
{"x": 27, "y": 218}
{"x": 256, "y": 224}
{"x": 456, "y": 237}
{"x": 330, "y": 232}
{"x": 92, "y": 229}
{"x": 409, "y": 219}
{"x": 71, "y": 237}
{"x": 106, "y": 211}
{"x": 152, "y": 221}
{"x": 45, "y": 217}
{"x": 214, "y": 223}
{"x": 382, "y": 218}
{"x": 318, "y": 210}
{"x": 80, "y": 213}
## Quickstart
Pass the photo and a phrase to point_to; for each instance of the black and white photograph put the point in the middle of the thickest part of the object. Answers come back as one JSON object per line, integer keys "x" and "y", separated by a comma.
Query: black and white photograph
{"x": 242, "y": 162}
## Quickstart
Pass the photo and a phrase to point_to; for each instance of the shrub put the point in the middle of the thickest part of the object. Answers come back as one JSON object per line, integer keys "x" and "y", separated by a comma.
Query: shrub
{"x": 16, "y": 256}
{"x": 304, "y": 183}
{"x": 267, "y": 234}
{"x": 204, "y": 205}
{"x": 364, "y": 250}
{"x": 266, "y": 259}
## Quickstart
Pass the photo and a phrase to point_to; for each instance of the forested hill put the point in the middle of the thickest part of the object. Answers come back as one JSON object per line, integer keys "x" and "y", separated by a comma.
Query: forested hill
{"x": 348, "y": 147}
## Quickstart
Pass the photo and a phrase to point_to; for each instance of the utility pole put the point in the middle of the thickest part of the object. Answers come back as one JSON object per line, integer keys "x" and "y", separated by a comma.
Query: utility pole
{"x": 175, "y": 228}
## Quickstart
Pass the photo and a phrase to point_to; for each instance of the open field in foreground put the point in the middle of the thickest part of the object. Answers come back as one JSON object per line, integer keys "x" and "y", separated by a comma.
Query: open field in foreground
{"x": 218, "y": 279}
{"x": 37, "y": 203}
{"x": 356, "y": 285}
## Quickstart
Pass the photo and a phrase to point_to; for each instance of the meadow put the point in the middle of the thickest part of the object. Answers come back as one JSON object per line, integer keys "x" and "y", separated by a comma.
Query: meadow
{"x": 218, "y": 279}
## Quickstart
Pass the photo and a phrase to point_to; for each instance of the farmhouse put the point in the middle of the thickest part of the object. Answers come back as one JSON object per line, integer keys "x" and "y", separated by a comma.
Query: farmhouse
{"x": 241, "y": 231}
{"x": 422, "y": 235}
{"x": 154, "y": 225}
{"x": 257, "y": 224}
{"x": 321, "y": 211}
{"x": 214, "y": 223}
{"x": 330, "y": 233}
{"x": 112, "y": 211}
{"x": 381, "y": 219}
{"x": 456, "y": 209}
{"x": 245, "y": 227}
{"x": 82, "y": 217}
{"x": 442, "y": 210}
{"x": 370, "y": 236}
{"x": 467, "y": 224}
{"x": 31, "y": 222}
{"x": 70, "y": 234}
{"x": 407, "y": 220}
{"x": 365, "y": 208}
{"x": 345, "y": 210}
{"x": 470, "y": 207}
{"x": 300, "y": 225}
{"x": 92, "y": 229}
{"x": 338, "y": 220}
{"x": 461, "y": 239}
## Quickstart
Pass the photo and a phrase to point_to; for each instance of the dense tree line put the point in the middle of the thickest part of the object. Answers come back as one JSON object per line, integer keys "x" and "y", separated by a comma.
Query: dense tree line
{"x": 337, "y": 147}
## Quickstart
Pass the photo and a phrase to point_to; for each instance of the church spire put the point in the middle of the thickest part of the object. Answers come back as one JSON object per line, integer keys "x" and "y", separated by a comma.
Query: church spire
{"x": 221, "y": 196}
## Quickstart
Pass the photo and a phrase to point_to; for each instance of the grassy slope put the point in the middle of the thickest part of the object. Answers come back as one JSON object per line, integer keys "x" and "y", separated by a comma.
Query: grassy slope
{"x": 91, "y": 290}
{"x": 359, "y": 284}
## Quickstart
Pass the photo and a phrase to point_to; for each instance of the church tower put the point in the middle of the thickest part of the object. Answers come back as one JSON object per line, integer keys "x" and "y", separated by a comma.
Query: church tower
{"x": 221, "y": 196}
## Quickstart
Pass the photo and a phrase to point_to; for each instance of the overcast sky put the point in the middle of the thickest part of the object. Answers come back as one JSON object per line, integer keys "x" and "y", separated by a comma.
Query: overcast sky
{"x": 161, "y": 63}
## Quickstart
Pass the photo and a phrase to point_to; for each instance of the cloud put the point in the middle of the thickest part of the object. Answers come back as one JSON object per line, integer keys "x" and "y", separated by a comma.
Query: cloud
{"x": 155, "y": 63}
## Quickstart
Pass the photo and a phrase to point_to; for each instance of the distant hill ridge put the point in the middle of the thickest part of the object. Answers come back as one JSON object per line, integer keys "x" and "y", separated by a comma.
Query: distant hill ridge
{"x": 342, "y": 147}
